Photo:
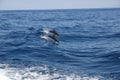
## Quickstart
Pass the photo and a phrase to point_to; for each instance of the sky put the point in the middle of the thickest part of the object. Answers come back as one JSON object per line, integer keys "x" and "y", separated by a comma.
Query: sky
{"x": 57, "y": 4}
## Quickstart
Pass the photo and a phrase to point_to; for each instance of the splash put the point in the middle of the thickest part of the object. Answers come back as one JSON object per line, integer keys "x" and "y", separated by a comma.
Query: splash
{"x": 3, "y": 75}
{"x": 3, "y": 72}
{"x": 38, "y": 73}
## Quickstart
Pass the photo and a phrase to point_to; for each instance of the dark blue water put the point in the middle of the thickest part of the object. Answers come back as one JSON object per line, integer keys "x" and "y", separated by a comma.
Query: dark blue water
{"x": 89, "y": 47}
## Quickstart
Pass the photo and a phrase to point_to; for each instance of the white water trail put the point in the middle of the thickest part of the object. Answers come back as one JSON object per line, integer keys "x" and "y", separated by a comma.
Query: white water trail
{"x": 33, "y": 73}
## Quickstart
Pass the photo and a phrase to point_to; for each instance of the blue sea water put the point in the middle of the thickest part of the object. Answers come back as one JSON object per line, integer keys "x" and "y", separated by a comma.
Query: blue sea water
{"x": 89, "y": 47}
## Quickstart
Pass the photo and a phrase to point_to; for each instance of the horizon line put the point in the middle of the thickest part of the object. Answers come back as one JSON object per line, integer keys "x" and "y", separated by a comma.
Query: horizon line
{"x": 59, "y": 9}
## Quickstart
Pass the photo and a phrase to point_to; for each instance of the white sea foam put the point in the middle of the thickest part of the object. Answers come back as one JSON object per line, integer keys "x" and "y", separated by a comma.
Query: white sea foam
{"x": 38, "y": 73}
{"x": 3, "y": 72}
{"x": 3, "y": 75}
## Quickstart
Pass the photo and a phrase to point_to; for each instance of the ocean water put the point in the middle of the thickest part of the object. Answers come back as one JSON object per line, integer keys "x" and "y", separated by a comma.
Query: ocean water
{"x": 89, "y": 47}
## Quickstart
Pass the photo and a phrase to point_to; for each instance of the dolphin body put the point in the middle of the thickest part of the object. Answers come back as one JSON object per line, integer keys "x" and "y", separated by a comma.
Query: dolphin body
{"x": 50, "y": 34}
{"x": 54, "y": 32}
{"x": 54, "y": 38}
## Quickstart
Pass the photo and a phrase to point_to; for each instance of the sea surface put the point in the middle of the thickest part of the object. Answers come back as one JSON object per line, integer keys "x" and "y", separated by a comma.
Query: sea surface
{"x": 89, "y": 47}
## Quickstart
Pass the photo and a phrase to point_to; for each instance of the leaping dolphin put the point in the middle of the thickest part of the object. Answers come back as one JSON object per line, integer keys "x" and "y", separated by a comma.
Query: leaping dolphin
{"x": 47, "y": 35}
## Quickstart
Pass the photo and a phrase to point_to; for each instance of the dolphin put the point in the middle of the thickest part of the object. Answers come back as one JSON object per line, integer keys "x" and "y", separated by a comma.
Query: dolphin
{"x": 50, "y": 34}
